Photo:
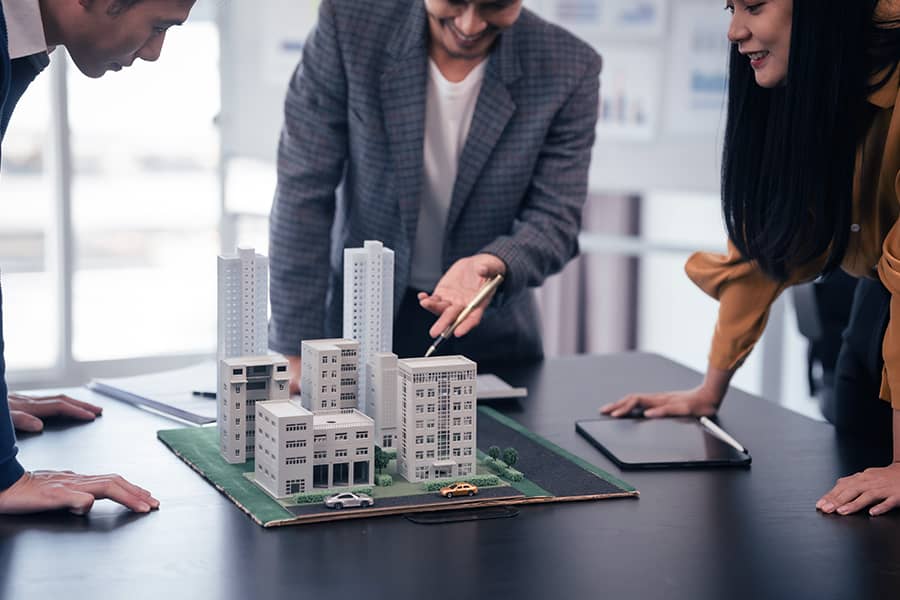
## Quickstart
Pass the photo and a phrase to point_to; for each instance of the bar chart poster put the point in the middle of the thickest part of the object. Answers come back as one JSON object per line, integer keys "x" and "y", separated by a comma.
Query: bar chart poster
{"x": 286, "y": 23}
{"x": 698, "y": 71}
{"x": 629, "y": 95}
{"x": 606, "y": 18}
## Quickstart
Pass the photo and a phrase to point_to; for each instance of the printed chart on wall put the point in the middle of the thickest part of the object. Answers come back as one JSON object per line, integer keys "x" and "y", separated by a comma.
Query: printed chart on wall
{"x": 698, "y": 54}
{"x": 286, "y": 23}
{"x": 606, "y": 18}
{"x": 629, "y": 94}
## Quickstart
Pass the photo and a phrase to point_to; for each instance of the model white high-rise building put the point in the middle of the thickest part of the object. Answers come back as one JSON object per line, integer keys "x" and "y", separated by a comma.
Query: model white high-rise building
{"x": 369, "y": 303}
{"x": 437, "y": 417}
{"x": 382, "y": 397}
{"x": 244, "y": 381}
{"x": 242, "y": 307}
{"x": 243, "y": 304}
{"x": 329, "y": 376}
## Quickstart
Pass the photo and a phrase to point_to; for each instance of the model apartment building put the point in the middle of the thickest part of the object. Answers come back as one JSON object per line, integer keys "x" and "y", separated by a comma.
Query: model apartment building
{"x": 437, "y": 417}
{"x": 369, "y": 303}
{"x": 329, "y": 377}
{"x": 298, "y": 450}
{"x": 245, "y": 381}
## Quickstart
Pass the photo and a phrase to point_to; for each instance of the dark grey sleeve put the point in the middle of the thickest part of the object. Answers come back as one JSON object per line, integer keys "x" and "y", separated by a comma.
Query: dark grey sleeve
{"x": 545, "y": 234}
{"x": 311, "y": 156}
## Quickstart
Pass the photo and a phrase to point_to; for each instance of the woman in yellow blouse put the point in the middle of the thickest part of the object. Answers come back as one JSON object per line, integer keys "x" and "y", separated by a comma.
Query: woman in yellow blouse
{"x": 810, "y": 183}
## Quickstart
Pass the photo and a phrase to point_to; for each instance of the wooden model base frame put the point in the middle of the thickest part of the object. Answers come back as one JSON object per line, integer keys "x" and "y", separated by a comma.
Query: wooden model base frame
{"x": 551, "y": 475}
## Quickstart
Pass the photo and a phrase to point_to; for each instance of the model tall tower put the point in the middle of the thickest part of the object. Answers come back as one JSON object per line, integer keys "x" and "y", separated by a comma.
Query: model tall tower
{"x": 369, "y": 303}
{"x": 243, "y": 304}
{"x": 437, "y": 417}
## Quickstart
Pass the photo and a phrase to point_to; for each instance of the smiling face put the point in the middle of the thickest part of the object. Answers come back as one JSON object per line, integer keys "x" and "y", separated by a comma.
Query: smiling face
{"x": 105, "y": 36}
{"x": 762, "y": 31}
{"x": 466, "y": 29}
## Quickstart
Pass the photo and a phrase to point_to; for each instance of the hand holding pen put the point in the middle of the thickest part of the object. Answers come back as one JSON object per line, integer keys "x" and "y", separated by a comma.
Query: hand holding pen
{"x": 457, "y": 289}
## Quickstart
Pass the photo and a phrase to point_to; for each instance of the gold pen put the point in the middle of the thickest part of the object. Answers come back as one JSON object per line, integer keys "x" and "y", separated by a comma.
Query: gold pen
{"x": 483, "y": 293}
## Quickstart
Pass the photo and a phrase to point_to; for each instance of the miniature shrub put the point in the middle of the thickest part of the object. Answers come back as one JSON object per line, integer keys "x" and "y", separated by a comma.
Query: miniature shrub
{"x": 384, "y": 480}
{"x": 511, "y": 456}
{"x": 313, "y": 497}
{"x": 504, "y": 470}
{"x": 494, "y": 452}
{"x": 513, "y": 475}
{"x": 478, "y": 480}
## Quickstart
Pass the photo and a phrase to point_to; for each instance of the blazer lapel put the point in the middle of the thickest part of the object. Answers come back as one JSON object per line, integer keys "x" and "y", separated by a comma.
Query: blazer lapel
{"x": 493, "y": 111}
{"x": 403, "y": 88}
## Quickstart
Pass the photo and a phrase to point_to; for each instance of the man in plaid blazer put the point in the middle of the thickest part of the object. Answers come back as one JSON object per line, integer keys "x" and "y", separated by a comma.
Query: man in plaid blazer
{"x": 353, "y": 165}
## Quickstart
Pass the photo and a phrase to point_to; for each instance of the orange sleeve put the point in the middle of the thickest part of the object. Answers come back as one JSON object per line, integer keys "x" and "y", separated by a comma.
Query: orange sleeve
{"x": 889, "y": 273}
{"x": 745, "y": 294}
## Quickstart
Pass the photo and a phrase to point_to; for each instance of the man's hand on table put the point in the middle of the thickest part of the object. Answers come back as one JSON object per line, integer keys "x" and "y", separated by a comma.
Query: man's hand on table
{"x": 294, "y": 369}
{"x": 27, "y": 411}
{"x": 457, "y": 288}
{"x": 40, "y": 491}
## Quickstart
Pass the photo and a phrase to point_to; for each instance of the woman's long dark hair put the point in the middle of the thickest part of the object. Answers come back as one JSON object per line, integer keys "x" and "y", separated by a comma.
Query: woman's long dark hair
{"x": 789, "y": 154}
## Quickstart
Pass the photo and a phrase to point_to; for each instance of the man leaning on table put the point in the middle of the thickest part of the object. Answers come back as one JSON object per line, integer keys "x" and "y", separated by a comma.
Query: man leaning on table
{"x": 457, "y": 132}
{"x": 100, "y": 36}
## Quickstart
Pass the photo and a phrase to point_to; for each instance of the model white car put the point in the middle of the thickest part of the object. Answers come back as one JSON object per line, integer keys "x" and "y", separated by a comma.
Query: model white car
{"x": 348, "y": 500}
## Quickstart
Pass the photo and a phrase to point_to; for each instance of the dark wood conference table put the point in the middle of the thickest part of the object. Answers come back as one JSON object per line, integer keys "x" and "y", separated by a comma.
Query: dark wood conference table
{"x": 698, "y": 534}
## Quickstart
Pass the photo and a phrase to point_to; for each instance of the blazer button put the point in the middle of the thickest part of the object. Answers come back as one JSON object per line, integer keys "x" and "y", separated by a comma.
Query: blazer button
{"x": 855, "y": 228}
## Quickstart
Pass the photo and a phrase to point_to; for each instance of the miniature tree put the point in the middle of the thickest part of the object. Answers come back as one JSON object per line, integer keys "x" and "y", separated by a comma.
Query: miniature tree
{"x": 381, "y": 459}
{"x": 494, "y": 452}
{"x": 510, "y": 456}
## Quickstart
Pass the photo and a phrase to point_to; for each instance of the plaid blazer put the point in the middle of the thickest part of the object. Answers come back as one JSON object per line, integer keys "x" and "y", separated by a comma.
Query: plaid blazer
{"x": 350, "y": 164}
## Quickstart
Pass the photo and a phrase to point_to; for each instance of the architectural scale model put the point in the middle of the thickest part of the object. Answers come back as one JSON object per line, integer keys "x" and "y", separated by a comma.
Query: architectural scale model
{"x": 423, "y": 407}
{"x": 369, "y": 303}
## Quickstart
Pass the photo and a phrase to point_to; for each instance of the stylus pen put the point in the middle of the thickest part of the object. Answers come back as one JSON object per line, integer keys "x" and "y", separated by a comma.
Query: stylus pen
{"x": 483, "y": 293}
{"x": 722, "y": 434}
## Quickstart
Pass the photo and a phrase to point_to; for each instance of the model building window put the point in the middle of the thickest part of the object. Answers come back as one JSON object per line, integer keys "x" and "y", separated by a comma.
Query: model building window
{"x": 457, "y": 421}
{"x": 456, "y": 452}
{"x": 319, "y": 454}
{"x": 467, "y": 452}
{"x": 457, "y": 437}
{"x": 467, "y": 436}
{"x": 295, "y": 460}
{"x": 295, "y": 443}
{"x": 320, "y": 438}
{"x": 467, "y": 420}
{"x": 420, "y": 454}
{"x": 457, "y": 406}
{"x": 341, "y": 452}
{"x": 429, "y": 439}
{"x": 362, "y": 435}
{"x": 467, "y": 405}
{"x": 420, "y": 409}
{"x": 362, "y": 451}
{"x": 341, "y": 436}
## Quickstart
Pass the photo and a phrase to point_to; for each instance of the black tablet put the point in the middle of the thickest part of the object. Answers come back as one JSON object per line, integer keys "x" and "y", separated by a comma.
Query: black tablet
{"x": 660, "y": 443}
